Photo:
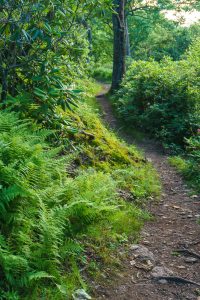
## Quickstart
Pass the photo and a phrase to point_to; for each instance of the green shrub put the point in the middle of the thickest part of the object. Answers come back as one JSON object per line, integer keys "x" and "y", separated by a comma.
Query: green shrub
{"x": 163, "y": 98}
{"x": 179, "y": 163}
{"x": 103, "y": 73}
{"x": 189, "y": 166}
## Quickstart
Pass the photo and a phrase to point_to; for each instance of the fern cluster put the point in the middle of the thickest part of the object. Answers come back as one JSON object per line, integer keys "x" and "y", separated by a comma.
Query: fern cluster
{"x": 30, "y": 180}
{"x": 45, "y": 214}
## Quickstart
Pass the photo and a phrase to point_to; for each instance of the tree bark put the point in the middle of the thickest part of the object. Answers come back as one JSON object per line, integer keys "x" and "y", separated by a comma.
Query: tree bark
{"x": 119, "y": 55}
{"x": 128, "y": 46}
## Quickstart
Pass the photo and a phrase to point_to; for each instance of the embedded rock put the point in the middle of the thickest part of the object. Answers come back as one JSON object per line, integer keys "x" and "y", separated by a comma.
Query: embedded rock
{"x": 81, "y": 295}
{"x": 161, "y": 271}
{"x": 142, "y": 253}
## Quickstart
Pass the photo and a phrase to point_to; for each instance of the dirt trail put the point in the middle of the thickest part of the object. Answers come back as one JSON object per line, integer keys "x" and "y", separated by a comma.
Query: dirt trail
{"x": 174, "y": 227}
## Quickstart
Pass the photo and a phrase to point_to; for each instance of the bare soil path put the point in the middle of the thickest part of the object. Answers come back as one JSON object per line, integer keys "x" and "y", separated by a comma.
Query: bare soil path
{"x": 174, "y": 227}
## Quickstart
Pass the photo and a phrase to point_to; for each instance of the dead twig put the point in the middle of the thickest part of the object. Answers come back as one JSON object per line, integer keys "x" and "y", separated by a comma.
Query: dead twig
{"x": 87, "y": 134}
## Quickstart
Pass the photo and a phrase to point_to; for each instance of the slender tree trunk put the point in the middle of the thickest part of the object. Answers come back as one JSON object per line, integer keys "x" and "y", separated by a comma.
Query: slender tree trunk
{"x": 119, "y": 55}
{"x": 128, "y": 46}
{"x": 89, "y": 32}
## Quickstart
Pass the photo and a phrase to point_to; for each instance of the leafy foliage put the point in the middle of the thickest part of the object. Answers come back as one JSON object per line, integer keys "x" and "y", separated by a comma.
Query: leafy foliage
{"x": 189, "y": 165}
{"x": 43, "y": 46}
{"x": 163, "y": 99}
{"x": 103, "y": 73}
{"x": 152, "y": 35}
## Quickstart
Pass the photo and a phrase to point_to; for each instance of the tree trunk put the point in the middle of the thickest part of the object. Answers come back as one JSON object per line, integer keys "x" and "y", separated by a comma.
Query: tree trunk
{"x": 89, "y": 32}
{"x": 128, "y": 46}
{"x": 119, "y": 55}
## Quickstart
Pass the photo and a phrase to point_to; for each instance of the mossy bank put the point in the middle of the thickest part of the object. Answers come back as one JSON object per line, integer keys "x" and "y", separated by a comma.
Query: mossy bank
{"x": 67, "y": 208}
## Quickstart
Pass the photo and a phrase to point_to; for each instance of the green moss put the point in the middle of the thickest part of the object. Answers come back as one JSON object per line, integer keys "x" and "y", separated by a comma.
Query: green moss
{"x": 102, "y": 149}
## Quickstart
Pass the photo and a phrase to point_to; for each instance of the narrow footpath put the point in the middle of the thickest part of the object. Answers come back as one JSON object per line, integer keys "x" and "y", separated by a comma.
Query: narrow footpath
{"x": 169, "y": 249}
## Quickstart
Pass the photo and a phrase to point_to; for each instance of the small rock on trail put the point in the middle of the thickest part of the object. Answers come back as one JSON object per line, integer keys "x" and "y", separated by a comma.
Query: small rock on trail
{"x": 81, "y": 295}
{"x": 161, "y": 271}
{"x": 142, "y": 253}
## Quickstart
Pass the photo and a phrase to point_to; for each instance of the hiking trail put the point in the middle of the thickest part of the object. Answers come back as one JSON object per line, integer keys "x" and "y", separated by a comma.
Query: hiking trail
{"x": 174, "y": 227}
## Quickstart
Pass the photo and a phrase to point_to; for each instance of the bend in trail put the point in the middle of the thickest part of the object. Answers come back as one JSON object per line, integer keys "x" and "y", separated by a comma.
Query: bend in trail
{"x": 174, "y": 227}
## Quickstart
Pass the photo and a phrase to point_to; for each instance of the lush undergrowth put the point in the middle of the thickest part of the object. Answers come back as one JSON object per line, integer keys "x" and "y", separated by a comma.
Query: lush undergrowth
{"x": 189, "y": 165}
{"x": 163, "y": 100}
{"x": 64, "y": 210}
{"x": 100, "y": 148}
{"x": 103, "y": 73}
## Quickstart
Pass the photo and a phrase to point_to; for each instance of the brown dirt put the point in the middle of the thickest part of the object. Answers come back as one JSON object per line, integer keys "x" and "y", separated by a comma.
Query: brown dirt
{"x": 174, "y": 227}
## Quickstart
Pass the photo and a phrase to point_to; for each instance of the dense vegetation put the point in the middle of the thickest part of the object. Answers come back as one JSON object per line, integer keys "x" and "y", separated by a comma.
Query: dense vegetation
{"x": 55, "y": 206}
{"x": 154, "y": 36}
{"x": 71, "y": 191}
{"x": 62, "y": 181}
{"x": 163, "y": 99}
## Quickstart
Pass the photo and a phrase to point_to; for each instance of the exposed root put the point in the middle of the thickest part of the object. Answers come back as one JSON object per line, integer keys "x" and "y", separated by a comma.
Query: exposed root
{"x": 188, "y": 252}
{"x": 177, "y": 279}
